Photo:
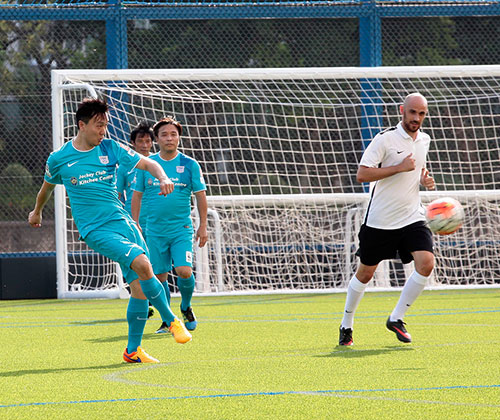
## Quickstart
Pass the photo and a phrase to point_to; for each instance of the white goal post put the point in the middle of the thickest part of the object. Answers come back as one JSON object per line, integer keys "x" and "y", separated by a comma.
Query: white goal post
{"x": 280, "y": 149}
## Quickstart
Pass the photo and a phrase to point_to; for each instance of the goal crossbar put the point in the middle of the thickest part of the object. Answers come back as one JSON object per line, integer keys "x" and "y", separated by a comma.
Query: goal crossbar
{"x": 312, "y": 73}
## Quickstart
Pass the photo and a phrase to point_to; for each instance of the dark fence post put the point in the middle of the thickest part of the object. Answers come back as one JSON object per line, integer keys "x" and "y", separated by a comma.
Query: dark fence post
{"x": 370, "y": 50}
{"x": 117, "y": 58}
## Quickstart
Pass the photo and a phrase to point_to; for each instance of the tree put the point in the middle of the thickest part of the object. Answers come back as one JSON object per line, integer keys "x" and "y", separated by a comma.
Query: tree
{"x": 29, "y": 51}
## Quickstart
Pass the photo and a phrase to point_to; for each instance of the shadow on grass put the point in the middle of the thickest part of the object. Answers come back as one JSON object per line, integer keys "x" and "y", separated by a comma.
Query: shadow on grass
{"x": 108, "y": 339}
{"x": 155, "y": 336}
{"x": 59, "y": 370}
{"x": 124, "y": 338}
{"x": 351, "y": 353}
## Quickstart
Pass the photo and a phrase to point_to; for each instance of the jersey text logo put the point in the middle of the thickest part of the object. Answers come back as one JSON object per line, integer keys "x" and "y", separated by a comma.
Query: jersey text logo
{"x": 72, "y": 163}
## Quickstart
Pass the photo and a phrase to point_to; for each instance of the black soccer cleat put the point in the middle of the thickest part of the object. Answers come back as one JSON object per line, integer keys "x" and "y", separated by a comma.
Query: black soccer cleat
{"x": 189, "y": 318}
{"x": 398, "y": 327}
{"x": 151, "y": 311}
{"x": 345, "y": 336}
{"x": 163, "y": 328}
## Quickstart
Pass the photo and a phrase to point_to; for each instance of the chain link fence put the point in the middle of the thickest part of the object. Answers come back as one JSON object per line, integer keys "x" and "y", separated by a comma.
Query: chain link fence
{"x": 29, "y": 49}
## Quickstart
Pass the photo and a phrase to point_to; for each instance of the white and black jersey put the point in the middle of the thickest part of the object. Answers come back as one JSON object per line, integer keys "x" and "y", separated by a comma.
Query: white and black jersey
{"x": 395, "y": 200}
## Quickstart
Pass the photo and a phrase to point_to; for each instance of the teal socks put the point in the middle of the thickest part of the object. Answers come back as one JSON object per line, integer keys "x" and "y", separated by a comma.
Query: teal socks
{"x": 167, "y": 290}
{"x": 155, "y": 293}
{"x": 186, "y": 288}
{"x": 137, "y": 315}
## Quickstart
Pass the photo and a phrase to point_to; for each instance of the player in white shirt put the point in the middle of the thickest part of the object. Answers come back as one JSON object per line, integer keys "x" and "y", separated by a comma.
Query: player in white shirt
{"x": 394, "y": 224}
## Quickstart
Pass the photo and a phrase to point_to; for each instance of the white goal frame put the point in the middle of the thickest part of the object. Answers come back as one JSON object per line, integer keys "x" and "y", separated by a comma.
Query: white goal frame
{"x": 209, "y": 268}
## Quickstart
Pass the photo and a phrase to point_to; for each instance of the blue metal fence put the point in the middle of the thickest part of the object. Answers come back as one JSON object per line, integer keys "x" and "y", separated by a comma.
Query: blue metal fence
{"x": 369, "y": 13}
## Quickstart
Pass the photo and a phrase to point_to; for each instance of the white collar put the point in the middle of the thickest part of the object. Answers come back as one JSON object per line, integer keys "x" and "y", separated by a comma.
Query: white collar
{"x": 404, "y": 133}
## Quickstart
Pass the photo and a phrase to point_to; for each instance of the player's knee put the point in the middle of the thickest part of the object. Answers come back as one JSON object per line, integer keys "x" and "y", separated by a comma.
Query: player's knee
{"x": 365, "y": 273}
{"x": 184, "y": 272}
{"x": 425, "y": 269}
{"x": 425, "y": 264}
{"x": 142, "y": 267}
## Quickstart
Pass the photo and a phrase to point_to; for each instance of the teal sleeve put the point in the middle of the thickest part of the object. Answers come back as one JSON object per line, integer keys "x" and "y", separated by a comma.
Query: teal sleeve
{"x": 52, "y": 175}
{"x": 127, "y": 157}
{"x": 197, "y": 180}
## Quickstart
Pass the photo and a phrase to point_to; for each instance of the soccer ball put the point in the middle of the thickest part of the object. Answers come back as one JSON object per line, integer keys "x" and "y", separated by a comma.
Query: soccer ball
{"x": 444, "y": 216}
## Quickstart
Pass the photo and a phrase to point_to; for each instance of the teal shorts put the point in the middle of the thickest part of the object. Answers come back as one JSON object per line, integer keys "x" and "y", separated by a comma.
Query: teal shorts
{"x": 174, "y": 251}
{"x": 120, "y": 241}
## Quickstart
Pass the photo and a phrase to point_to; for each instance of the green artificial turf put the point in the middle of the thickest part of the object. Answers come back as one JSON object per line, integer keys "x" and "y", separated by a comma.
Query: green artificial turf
{"x": 256, "y": 357}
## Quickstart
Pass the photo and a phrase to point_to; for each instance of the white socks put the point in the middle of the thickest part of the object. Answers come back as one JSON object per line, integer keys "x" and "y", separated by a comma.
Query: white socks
{"x": 411, "y": 291}
{"x": 355, "y": 292}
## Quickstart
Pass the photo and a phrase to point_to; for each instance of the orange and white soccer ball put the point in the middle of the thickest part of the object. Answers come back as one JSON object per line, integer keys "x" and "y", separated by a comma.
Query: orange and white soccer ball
{"x": 444, "y": 216}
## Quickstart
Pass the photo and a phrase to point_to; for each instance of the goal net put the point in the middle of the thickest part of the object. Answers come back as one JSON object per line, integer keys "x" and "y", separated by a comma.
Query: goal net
{"x": 279, "y": 149}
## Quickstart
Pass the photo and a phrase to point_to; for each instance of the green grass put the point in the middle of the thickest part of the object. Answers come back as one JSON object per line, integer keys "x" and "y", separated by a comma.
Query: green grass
{"x": 256, "y": 357}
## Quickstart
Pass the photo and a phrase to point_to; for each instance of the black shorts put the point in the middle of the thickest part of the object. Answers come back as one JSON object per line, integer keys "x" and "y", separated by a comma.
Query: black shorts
{"x": 376, "y": 245}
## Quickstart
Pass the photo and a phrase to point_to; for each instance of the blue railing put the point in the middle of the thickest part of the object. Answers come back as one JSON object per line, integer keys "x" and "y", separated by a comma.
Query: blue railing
{"x": 116, "y": 13}
{"x": 231, "y": 3}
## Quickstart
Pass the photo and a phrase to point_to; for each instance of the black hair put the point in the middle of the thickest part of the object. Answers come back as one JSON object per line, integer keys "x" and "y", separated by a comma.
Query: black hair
{"x": 89, "y": 108}
{"x": 166, "y": 121}
{"x": 142, "y": 128}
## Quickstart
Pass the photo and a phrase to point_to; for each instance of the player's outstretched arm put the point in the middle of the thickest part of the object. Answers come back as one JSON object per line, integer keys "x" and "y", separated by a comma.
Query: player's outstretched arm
{"x": 35, "y": 216}
{"x": 154, "y": 168}
{"x": 368, "y": 174}
{"x": 201, "y": 203}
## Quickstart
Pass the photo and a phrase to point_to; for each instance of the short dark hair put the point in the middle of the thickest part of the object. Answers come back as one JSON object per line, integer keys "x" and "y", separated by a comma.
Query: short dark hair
{"x": 166, "y": 121}
{"x": 142, "y": 128}
{"x": 89, "y": 108}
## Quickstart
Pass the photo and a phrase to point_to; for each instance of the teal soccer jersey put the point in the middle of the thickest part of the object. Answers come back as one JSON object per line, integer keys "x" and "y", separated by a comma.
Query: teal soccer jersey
{"x": 124, "y": 184}
{"x": 171, "y": 214}
{"x": 124, "y": 181}
{"x": 90, "y": 181}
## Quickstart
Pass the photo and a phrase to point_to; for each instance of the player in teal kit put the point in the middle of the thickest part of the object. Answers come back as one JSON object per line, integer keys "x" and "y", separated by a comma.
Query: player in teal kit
{"x": 141, "y": 139}
{"x": 169, "y": 229}
{"x": 86, "y": 166}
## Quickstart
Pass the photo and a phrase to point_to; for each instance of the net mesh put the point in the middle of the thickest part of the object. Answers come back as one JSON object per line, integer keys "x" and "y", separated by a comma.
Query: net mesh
{"x": 280, "y": 154}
